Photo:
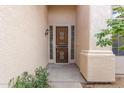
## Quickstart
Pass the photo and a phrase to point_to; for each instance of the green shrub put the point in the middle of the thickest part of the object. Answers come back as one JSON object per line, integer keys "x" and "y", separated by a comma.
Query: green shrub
{"x": 115, "y": 27}
{"x": 25, "y": 80}
{"x": 41, "y": 79}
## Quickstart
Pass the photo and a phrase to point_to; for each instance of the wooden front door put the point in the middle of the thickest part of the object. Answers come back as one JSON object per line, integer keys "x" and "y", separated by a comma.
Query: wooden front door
{"x": 62, "y": 44}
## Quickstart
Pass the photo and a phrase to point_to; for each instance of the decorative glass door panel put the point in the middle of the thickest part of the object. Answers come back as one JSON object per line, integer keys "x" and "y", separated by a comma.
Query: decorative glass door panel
{"x": 62, "y": 44}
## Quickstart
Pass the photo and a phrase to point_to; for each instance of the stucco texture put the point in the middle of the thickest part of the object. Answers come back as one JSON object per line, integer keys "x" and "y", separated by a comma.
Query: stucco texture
{"x": 62, "y": 15}
{"x": 82, "y": 27}
{"x": 23, "y": 44}
{"x": 96, "y": 64}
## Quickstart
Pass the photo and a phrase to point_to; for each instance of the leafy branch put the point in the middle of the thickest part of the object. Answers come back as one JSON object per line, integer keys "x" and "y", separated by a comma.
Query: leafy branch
{"x": 115, "y": 28}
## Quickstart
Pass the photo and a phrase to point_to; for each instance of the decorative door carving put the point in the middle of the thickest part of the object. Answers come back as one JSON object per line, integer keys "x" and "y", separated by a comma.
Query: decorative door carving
{"x": 62, "y": 44}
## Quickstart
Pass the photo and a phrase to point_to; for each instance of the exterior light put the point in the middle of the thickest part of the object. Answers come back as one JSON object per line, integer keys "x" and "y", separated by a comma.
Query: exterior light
{"x": 46, "y": 32}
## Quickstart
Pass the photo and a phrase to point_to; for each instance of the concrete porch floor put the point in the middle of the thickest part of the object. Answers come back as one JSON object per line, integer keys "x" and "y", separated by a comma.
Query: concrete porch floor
{"x": 64, "y": 76}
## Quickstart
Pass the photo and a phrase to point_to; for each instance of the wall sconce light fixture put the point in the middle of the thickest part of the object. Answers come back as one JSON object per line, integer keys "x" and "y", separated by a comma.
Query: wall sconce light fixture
{"x": 46, "y": 32}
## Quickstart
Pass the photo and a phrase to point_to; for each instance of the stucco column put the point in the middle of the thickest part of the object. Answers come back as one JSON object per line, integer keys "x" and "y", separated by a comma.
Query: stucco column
{"x": 97, "y": 64}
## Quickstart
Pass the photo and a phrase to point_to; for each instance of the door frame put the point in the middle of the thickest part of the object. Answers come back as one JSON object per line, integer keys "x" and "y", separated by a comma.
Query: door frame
{"x": 69, "y": 44}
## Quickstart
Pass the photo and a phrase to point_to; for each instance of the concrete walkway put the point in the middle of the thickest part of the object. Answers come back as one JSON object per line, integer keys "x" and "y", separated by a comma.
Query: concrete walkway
{"x": 64, "y": 76}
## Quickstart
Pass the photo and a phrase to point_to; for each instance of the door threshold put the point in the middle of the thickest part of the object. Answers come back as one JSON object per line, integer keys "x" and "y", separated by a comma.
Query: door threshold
{"x": 61, "y": 63}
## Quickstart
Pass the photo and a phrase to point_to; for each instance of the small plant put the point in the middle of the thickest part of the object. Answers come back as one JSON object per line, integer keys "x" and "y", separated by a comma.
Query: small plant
{"x": 25, "y": 80}
{"x": 41, "y": 79}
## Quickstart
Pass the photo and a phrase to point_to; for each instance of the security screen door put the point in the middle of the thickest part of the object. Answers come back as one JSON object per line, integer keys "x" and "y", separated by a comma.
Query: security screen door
{"x": 61, "y": 44}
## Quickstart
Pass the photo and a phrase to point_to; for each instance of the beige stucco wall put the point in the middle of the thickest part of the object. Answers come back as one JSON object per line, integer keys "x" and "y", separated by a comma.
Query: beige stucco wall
{"x": 101, "y": 60}
{"x": 96, "y": 64}
{"x": 23, "y": 45}
{"x": 98, "y": 18}
{"x": 82, "y": 30}
{"x": 61, "y": 14}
